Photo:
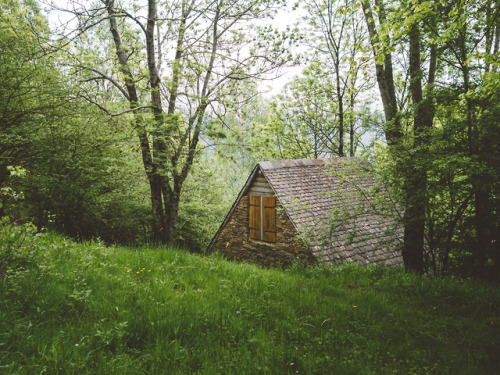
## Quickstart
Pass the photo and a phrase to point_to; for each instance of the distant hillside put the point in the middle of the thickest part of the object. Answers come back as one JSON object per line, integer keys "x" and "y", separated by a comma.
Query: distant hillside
{"x": 72, "y": 308}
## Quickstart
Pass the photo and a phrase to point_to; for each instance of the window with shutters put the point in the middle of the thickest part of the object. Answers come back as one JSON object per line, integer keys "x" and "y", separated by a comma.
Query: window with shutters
{"x": 262, "y": 218}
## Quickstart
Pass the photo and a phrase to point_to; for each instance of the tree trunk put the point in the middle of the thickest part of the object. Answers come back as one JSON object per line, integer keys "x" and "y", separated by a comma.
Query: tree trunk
{"x": 158, "y": 224}
{"x": 160, "y": 234}
{"x": 150, "y": 165}
{"x": 412, "y": 168}
{"x": 340, "y": 97}
{"x": 351, "y": 128}
{"x": 479, "y": 188}
{"x": 416, "y": 179}
{"x": 482, "y": 222}
{"x": 385, "y": 81}
{"x": 171, "y": 206}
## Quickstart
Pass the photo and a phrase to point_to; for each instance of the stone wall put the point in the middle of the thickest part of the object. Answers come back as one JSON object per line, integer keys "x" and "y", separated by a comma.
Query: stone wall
{"x": 234, "y": 240}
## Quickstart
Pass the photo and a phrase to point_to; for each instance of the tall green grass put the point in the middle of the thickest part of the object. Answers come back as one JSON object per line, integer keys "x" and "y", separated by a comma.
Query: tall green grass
{"x": 87, "y": 308}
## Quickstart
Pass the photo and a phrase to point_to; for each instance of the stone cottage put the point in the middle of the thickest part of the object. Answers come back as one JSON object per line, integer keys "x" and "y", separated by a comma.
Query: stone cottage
{"x": 322, "y": 210}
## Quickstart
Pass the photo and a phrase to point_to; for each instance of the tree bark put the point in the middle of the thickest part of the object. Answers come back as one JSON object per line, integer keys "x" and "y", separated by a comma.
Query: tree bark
{"x": 341, "y": 108}
{"x": 412, "y": 168}
{"x": 170, "y": 142}
{"x": 416, "y": 180}
{"x": 351, "y": 127}
{"x": 479, "y": 187}
{"x": 150, "y": 166}
{"x": 385, "y": 81}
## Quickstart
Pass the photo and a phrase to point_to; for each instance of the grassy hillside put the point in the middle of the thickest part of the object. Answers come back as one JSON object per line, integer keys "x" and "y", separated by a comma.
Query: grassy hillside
{"x": 69, "y": 308}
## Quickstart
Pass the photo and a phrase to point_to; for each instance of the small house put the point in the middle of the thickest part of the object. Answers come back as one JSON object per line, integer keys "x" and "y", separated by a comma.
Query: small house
{"x": 323, "y": 210}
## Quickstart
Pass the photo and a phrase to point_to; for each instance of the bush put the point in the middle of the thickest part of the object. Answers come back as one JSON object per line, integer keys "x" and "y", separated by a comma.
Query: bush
{"x": 17, "y": 245}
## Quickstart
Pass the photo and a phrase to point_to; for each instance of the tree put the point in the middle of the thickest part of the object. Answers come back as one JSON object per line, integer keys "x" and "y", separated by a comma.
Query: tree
{"x": 75, "y": 182}
{"x": 304, "y": 119}
{"x": 423, "y": 117}
{"x": 339, "y": 38}
{"x": 24, "y": 73}
{"x": 413, "y": 225}
{"x": 469, "y": 35}
{"x": 172, "y": 99}
{"x": 452, "y": 38}
{"x": 411, "y": 158}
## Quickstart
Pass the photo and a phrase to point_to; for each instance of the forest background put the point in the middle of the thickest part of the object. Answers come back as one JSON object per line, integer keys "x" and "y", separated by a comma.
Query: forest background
{"x": 138, "y": 121}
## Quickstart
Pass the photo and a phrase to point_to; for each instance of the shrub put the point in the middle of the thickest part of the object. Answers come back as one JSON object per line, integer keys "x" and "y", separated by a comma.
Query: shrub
{"x": 17, "y": 245}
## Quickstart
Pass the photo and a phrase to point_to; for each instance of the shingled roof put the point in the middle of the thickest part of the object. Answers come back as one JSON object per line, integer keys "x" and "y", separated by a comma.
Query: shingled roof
{"x": 334, "y": 206}
{"x": 337, "y": 208}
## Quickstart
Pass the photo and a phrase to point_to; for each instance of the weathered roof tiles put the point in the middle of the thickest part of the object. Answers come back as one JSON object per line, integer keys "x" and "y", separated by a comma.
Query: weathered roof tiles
{"x": 332, "y": 205}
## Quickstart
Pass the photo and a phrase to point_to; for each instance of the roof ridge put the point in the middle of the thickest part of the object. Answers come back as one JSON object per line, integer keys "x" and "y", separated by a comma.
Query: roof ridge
{"x": 292, "y": 163}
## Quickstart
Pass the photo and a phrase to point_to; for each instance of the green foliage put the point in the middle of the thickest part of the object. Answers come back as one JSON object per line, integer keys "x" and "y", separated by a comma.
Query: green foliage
{"x": 448, "y": 165}
{"x": 18, "y": 246}
{"x": 96, "y": 190}
{"x": 24, "y": 75}
{"x": 304, "y": 118}
{"x": 173, "y": 98}
{"x": 455, "y": 176}
{"x": 86, "y": 178}
{"x": 208, "y": 194}
{"x": 7, "y": 191}
{"x": 82, "y": 176}
{"x": 86, "y": 308}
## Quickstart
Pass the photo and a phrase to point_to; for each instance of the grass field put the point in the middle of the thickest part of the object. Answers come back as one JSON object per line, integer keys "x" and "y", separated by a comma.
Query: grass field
{"x": 68, "y": 308}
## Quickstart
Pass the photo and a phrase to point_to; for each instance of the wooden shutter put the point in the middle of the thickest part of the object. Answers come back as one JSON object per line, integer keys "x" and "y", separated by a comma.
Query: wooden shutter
{"x": 254, "y": 217}
{"x": 269, "y": 219}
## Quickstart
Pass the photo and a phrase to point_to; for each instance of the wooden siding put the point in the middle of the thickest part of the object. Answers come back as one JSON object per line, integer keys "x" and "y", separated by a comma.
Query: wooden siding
{"x": 260, "y": 186}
